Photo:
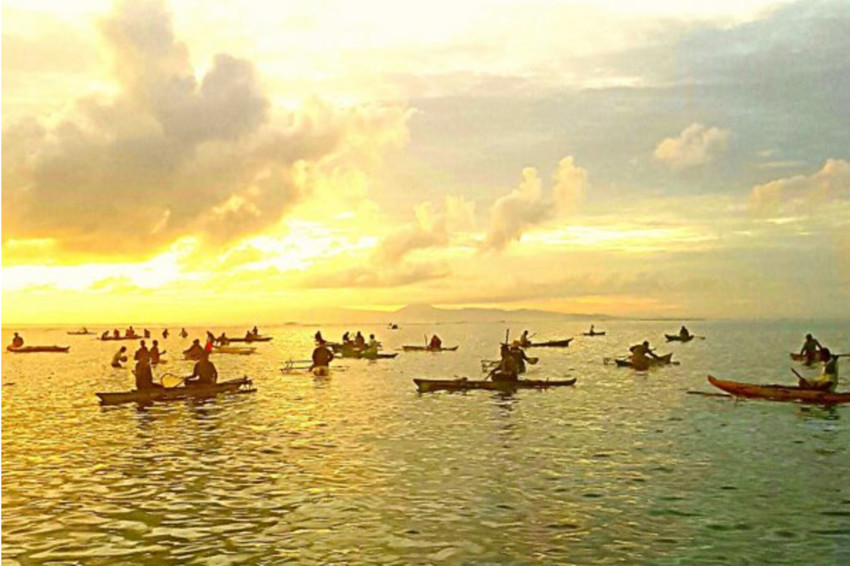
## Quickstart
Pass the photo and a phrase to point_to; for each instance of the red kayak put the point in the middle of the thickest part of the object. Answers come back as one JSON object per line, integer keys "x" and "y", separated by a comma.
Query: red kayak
{"x": 779, "y": 392}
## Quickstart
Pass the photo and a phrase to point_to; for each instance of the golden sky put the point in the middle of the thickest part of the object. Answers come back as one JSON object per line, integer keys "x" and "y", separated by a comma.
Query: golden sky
{"x": 237, "y": 161}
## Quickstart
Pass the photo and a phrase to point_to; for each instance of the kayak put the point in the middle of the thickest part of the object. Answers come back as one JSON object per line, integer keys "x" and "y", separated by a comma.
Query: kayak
{"x": 428, "y": 349}
{"x": 251, "y": 339}
{"x": 429, "y": 385}
{"x": 550, "y": 344}
{"x": 242, "y": 385}
{"x": 678, "y": 338}
{"x": 593, "y": 333}
{"x": 779, "y": 392}
{"x": 34, "y": 349}
{"x": 243, "y": 350}
{"x": 660, "y": 361}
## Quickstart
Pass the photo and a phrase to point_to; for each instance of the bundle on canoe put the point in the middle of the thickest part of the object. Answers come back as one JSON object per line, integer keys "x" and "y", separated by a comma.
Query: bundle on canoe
{"x": 779, "y": 392}
{"x": 242, "y": 385}
{"x": 550, "y": 344}
{"x": 659, "y": 361}
{"x": 463, "y": 384}
{"x": 428, "y": 349}
{"x": 251, "y": 339}
{"x": 34, "y": 349}
{"x": 679, "y": 337}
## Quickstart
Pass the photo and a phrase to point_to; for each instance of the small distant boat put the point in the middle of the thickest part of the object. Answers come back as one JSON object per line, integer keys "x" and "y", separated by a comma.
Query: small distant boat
{"x": 35, "y": 349}
{"x": 80, "y": 332}
{"x": 108, "y": 338}
{"x": 779, "y": 392}
{"x": 429, "y": 349}
{"x": 430, "y": 385}
{"x": 660, "y": 361}
{"x": 593, "y": 333}
{"x": 251, "y": 339}
{"x": 242, "y": 385}
{"x": 679, "y": 337}
{"x": 550, "y": 344}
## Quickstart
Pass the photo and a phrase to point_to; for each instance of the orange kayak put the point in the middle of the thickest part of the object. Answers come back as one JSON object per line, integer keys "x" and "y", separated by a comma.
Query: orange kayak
{"x": 779, "y": 392}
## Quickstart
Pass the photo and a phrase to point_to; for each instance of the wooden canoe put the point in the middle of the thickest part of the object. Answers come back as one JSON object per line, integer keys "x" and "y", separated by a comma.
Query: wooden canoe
{"x": 664, "y": 360}
{"x": 679, "y": 338}
{"x": 428, "y": 349}
{"x": 35, "y": 349}
{"x": 802, "y": 357}
{"x": 779, "y": 392}
{"x": 112, "y": 338}
{"x": 430, "y": 385}
{"x": 550, "y": 344}
{"x": 243, "y": 385}
{"x": 593, "y": 333}
{"x": 251, "y": 339}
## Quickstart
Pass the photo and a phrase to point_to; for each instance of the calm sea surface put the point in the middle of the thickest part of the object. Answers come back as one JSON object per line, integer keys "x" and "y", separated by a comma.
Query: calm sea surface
{"x": 358, "y": 468}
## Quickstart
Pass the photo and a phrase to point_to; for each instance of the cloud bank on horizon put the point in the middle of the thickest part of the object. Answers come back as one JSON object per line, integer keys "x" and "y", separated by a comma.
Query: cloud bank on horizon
{"x": 697, "y": 159}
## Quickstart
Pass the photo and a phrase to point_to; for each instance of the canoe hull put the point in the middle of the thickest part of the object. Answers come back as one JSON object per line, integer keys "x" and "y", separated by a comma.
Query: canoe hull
{"x": 113, "y": 338}
{"x": 38, "y": 349}
{"x": 779, "y": 392}
{"x": 256, "y": 339}
{"x": 428, "y": 349}
{"x": 593, "y": 334}
{"x": 551, "y": 344}
{"x": 431, "y": 385}
{"x": 677, "y": 338}
{"x": 664, "y": 360}
{"x": 243, "y": 385}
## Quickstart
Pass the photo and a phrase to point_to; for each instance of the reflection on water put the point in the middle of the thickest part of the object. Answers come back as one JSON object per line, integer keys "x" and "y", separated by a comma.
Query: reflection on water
{"x": 359, "y": 468}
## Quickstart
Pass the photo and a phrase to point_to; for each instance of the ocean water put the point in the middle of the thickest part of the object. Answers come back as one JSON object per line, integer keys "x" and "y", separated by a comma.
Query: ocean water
{"x": 358, "y": 468}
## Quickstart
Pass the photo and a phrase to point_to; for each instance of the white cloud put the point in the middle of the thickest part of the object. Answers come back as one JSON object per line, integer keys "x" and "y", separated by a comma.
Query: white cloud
{"x": 831, "y": 183}
{"x": 696, "y": 145}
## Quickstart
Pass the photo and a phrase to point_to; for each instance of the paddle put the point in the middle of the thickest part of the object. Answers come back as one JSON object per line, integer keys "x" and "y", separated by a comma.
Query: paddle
{"x": 172, "y": 383}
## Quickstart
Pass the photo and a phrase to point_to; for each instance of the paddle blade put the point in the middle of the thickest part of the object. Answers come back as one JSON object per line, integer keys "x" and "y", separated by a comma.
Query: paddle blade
{"x": 533, "y": 361}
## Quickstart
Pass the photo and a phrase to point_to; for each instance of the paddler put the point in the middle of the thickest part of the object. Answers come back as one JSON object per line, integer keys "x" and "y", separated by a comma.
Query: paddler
{"x": 204, "y": 372}
{"x": 810, "y": 349}
{"x": 144, "y": 374}
{"x": 183, "y": 333}
{"x": 684, "y": 333}
{"x": 639, "y": 358}
{"x": 223, "y": 340}
{"x": 372, "y": 348}
{"x": 155, "y": 353}
{"x": 318, "y": 337}
{"x": 17, "y": 341}
{"x": 359, "y": 341}
{"x": 435, "y": 343}
{"x": 507, "y": 369}
{"x": 322, "y": 356}
{"x": 828, "y": 379}
{"x": 346, "y": 338}
{"x": 120, "y": 356}
{"x": 208, "y": 346}
{"x": 147, "y": 333}
{"x": 524, "y": 340}
{"x": 105, "y": 335}
{"x": 195, "y": 350}
{"x": 519, "y": 355}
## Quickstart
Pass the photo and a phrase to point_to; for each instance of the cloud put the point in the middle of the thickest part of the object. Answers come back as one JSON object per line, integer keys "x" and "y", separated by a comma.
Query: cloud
{"x": 830, "y": 184}
{"x": 696, "y": 145}
{"x": 432, "y": 229}
{"x": 527, "y": 205}
{"x": 372, "y": 276}
{"x": 173, "y": 153}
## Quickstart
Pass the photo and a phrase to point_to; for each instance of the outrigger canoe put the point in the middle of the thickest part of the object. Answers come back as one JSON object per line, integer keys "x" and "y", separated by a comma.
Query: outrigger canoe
{"x": 430, "y": 385}
{"x": 429, "y": 349}
{"x": 242, "y": 385}
{"x": 550, "y": 344}
{"x": 679, "y": 338}
{"x": 779, "y": 392}
{"x": 34, "y": 349}
{"x": 660, "y": 361}
{"x": 251, "y": 339}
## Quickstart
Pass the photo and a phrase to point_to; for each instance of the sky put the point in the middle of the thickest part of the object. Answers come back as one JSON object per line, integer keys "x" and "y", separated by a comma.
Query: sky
{"x": 189, "y": 161}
